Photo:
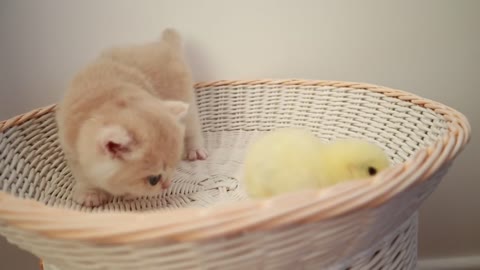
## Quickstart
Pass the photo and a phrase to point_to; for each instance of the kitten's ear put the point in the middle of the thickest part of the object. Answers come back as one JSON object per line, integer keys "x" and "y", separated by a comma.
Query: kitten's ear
{"x": 178, "y": 109}
{"x": 115, "y": 141}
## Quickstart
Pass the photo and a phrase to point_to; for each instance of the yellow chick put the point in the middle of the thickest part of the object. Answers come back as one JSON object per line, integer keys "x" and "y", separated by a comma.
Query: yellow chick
{"x": 287, "y": 160}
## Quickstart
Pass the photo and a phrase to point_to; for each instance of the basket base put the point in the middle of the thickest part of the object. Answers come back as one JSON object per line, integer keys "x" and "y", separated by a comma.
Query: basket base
{"x": 397, "y": 250}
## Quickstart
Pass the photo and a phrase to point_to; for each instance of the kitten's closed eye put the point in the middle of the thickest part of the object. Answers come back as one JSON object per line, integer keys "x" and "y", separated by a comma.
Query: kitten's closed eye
{"x": 154, "y": 179}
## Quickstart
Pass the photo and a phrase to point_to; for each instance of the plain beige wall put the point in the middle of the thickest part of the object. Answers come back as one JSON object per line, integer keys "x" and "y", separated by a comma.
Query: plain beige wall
{"x": 431, "y": 48}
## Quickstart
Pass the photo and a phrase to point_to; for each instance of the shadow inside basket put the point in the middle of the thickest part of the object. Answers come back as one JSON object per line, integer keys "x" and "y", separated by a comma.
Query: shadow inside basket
{"x": 32, "y": 163}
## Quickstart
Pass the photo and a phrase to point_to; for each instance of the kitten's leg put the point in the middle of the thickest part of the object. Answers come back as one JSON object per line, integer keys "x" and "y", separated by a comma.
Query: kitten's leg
{"x": 84, "y": 193}
{"x": 194, "y": 145}
{"x": 89, "y": 196}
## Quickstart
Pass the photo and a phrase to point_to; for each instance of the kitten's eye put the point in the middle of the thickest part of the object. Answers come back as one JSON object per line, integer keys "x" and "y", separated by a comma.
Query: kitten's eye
{"x": 154, "y": 179}
{"x": 372, "y": 171}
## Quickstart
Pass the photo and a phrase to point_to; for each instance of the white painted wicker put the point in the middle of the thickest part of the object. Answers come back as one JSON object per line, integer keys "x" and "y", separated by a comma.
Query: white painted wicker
{"x": 366, "y": 224}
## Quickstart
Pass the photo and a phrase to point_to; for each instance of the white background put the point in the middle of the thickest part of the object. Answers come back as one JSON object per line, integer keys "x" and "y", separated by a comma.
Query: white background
{"x": 429, "y": 47}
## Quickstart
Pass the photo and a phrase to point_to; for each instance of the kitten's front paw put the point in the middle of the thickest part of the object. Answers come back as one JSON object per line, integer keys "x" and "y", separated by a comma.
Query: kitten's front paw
{"x": 198, "y": 153}
{"x": 90, "y": 198}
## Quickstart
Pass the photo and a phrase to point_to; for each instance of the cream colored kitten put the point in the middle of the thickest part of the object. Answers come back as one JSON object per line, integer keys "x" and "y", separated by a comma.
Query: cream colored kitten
{"x": 127, "y": 118}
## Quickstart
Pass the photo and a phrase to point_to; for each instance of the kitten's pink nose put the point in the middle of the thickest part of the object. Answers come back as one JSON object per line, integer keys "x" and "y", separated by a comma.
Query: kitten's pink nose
{"x": 166, "y": 183}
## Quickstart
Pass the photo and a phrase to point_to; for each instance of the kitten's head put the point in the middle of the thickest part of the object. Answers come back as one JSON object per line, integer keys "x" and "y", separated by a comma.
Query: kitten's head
{"x": 134, "y": 148}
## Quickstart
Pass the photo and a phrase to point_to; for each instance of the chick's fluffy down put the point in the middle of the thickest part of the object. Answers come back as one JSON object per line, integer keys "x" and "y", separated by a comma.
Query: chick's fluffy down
{"x": 287, "y": 160}
{"x": 281, "y": 161}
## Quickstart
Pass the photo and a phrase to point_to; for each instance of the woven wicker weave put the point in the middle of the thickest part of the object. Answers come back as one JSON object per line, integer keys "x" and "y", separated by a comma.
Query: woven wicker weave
{"x": 370, "y": 224}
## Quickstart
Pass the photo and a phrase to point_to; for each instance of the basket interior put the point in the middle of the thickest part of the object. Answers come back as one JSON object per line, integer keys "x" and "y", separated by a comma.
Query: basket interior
{"x": 32, "y": 164}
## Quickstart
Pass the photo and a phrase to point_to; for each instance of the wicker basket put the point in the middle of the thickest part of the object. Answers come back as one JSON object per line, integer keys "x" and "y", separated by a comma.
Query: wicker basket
{"x": 369, "y": 224}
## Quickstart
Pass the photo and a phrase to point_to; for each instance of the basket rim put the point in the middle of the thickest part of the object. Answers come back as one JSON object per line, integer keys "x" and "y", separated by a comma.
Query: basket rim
{"x": 194, "y": 224}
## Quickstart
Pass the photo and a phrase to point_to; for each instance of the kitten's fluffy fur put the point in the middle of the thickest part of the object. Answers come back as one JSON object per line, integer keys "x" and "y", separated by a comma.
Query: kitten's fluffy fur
{"x": 127, "y": 116}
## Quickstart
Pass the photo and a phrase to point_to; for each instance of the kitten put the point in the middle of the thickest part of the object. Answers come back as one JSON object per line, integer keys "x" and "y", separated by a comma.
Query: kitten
{"x": 127, "y": 119}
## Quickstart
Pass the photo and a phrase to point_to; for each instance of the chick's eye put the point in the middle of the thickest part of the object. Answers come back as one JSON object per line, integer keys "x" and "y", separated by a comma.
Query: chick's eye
{"x": 154, "y": 179}
{"x": 372, "y": 171}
